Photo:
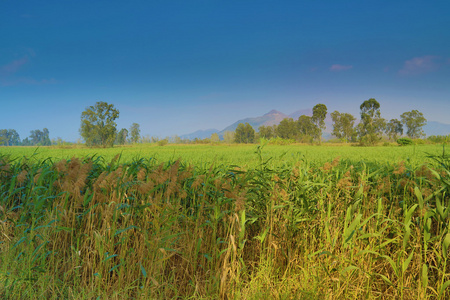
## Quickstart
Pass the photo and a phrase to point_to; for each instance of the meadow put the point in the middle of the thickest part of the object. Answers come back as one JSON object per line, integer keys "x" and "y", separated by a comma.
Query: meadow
{"x": 225, "y": 222}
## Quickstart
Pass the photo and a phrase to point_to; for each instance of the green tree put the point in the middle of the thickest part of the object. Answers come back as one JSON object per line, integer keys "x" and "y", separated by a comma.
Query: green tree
{"x": 40, "y": 138}
{"x": 9, "y": 137}
{"x": 244, "y": 133}
{"x": 372, "y": 125}
{"x": 122, "y": 136}
{"x": 135, "y": 132}
{"x": 318, "y": 118}
{"x": 307, "y": 129}
{"x": 287, "y": 129}
{"x": 97, "y": 124}
{"x": 394, "y": 129}
{"x": 266, "y": 132}
{"x": 343, "y": 125}
{"x": 228, "y": 137}
{"x": 414, "y": 121}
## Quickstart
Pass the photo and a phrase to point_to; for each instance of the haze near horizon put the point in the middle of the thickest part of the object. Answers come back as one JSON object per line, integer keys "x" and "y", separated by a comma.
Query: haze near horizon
{"x": 175, "y": 67}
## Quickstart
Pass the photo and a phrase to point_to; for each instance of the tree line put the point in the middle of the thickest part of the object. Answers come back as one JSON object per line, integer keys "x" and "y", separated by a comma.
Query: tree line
{"x": 99, "y": 129}
{"x": 368, "y": 131}
{"x": 10, "y": 137}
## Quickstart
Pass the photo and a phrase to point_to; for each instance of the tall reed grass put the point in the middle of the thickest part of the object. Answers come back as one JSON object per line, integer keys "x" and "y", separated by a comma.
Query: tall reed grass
{"x": 84, "y": 228}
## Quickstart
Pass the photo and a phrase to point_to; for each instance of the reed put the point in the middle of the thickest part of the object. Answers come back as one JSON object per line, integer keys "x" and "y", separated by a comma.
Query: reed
{"x": 83, "y": 228}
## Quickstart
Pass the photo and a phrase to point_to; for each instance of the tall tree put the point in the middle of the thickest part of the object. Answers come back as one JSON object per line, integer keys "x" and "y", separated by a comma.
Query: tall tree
{"x": 318, "y": 118}
{"x": 244, "y": 133}
{"x": 215, "y": 138}
{"x": 97, "y": 124}
{"x": 287, "y": 129}
{"x": 343, "y": 125}
{"x": 266, "y": 132}
{"x": 228, "y": 137}
{"x": 135, "y": 132}
{"x": 394, "y": 129}
{"x": 9, "y": 137}
{"x": 414, "y": 121}
{"x": 372, "y": 125}
{"x": 306, "y": 127}
{"x": 122, "y": 136}
{"x": 41, "y": 138}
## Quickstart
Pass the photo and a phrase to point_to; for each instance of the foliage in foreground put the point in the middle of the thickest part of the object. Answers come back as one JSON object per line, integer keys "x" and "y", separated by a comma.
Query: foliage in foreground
{"x": 83, "y": 228}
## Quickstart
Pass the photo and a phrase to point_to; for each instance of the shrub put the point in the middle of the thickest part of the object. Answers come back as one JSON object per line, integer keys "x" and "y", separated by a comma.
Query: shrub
{"x": 163, "y": 142}
{"x": 405, "y": 141}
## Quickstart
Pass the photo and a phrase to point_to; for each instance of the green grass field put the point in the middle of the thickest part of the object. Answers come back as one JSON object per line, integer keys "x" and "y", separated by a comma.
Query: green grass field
{"x": 225, "y": 222}
{"x": 242, "y": 155}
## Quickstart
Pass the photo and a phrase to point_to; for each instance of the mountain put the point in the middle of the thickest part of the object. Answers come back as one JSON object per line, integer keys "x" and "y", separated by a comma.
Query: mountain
{"x": 436, "y": 128}
{"x": 271, "y": 118}
{"x": 200, "y": 134}
{"x": 298, "y": 113}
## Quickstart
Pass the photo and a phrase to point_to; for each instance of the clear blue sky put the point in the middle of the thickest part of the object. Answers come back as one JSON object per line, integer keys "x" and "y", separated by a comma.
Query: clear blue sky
{"x": 178, "y": 66}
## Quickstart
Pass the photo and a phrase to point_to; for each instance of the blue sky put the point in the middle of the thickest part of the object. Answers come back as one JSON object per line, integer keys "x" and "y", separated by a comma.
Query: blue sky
{"x": 178, "y": 66}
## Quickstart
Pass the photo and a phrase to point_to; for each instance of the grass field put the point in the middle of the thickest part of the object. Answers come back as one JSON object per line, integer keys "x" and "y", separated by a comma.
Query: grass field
{"x": 225, "y": 222}
{"x": 242, "y": 155}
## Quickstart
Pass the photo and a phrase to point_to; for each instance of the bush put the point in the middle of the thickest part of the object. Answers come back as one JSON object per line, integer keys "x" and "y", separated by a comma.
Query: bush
{"x": 163, "y": 142}
{"x": 405, "y": 141}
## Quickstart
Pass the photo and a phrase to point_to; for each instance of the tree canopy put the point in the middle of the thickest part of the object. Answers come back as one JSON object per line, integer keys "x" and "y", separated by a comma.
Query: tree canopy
{"x": 343, "y": 125}
{"x": 414, "y": 121}
{"x": 97, "y": 124}
{"x": 394, "y": 129}
{"x": 135, "y": 131}
{"x": 244, "y": 133}
{"x": 9, "y": 137}
{"x": 372, "y": 125}
{"x": 318, "y": 118}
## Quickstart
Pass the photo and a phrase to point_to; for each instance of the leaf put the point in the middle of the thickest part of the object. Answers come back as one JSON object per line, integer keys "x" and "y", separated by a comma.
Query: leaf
{"x": 351, "y": 228}
{"x": 262, "y": 237}
{"x": 144, "y": 273}
{"x": 19, "y": 241}
{"x": 123, "y": 230}
{"x": 392, "y": 263}
{"x": 385, "y": 279}
{"x": 424, "y": 275}
{"x": 445, "y": 245}
{"x": 115, "y": 267}
{"x": 409, "y": 214}
{"x": 349, "y": 268}
{"x": 444, "y": 287}
{"x": 108, "y": 257}
{"x": 419, "y": 196}
{"x": 406, "y": 262}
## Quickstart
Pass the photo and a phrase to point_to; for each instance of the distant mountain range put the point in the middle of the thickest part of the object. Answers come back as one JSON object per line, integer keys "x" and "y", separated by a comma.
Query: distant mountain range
{"x": 274, "y": 117}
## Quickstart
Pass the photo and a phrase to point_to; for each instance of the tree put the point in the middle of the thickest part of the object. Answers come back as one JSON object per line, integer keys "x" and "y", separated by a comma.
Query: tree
{"x": 40, "y": 138}
{"x": 287, "y": 129}
{"x": 372, "y": 125}
{"x": 228, "y": 137}
{"x": 9, "y": 137}
{"x": 343, "y": 124}
{"x": 394, "y": 128}
{"x": 122, "y": 136}
{"x": 414, "y": 121}
{"x": 266, "y": 132}
{"x": 307, "y": 128}
{"x": 318, "y": 118}
{"x": 215, "y": 138}
{"x": 135, "y": 132}
{"x": 244, "y": 133}
{"x": 97, "y": 124}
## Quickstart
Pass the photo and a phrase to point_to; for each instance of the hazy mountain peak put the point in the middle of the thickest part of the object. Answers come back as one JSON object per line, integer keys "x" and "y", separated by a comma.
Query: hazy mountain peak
{"x": 274, "y": 112}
